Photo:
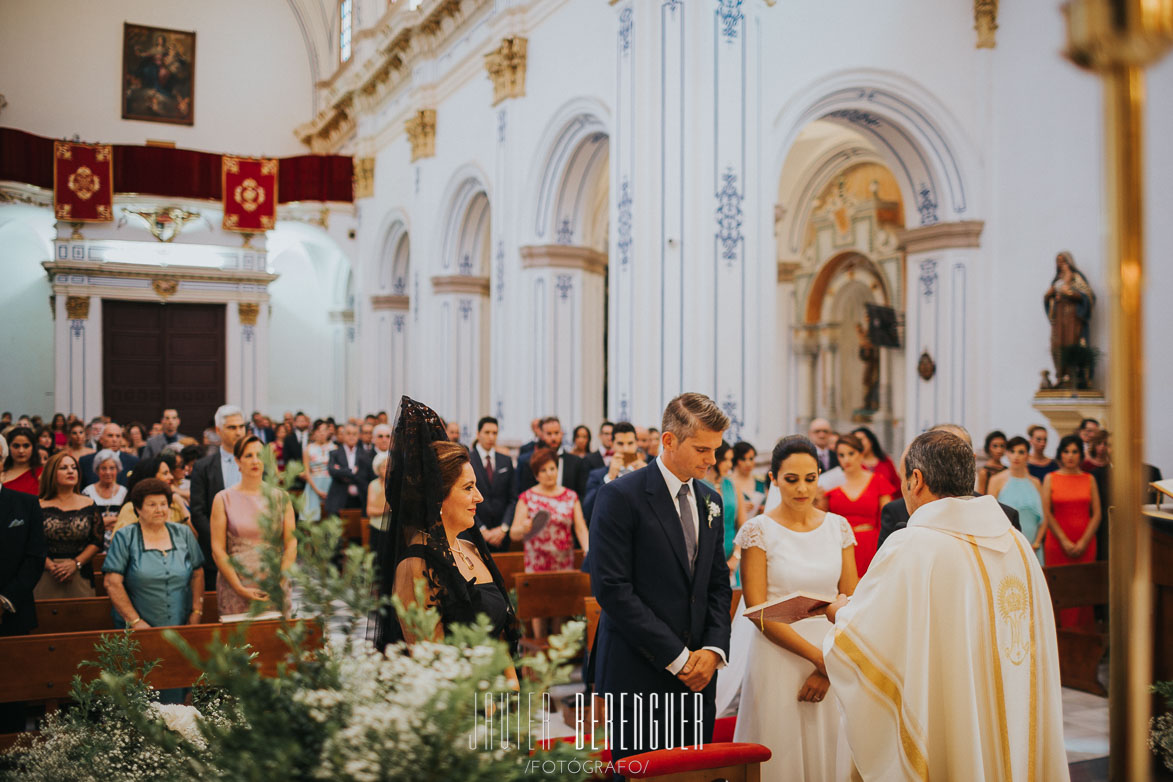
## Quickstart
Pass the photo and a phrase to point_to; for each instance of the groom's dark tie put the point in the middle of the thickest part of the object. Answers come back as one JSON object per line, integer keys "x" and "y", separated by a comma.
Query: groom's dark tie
{"x": 689, "y": 526}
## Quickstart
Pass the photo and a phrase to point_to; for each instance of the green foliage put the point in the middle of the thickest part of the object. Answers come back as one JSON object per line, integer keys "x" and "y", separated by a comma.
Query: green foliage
{"x": 1161, "y": 726}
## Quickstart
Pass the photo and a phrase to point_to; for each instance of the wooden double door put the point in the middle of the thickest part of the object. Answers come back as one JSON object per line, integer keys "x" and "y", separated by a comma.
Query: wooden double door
{"x": 156, "y": 356}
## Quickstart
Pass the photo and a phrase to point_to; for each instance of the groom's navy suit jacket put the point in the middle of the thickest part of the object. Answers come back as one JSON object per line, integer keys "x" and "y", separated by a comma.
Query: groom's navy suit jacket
{"x": 652, "y": 607}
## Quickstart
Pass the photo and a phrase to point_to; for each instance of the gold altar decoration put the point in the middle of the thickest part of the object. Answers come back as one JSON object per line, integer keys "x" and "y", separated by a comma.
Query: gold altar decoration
{"x": 165, "y": 222}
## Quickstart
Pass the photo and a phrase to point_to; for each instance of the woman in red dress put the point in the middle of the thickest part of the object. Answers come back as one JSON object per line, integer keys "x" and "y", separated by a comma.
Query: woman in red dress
{"x": 1071, "y": 508}
{"x": 875, "y": 460}
{"x": 22, "y": 467}
{"x": 859, "y": 499}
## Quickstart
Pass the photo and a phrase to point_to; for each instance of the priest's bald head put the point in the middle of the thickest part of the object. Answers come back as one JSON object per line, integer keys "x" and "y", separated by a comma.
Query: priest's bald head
{"x": 936, "y": 464}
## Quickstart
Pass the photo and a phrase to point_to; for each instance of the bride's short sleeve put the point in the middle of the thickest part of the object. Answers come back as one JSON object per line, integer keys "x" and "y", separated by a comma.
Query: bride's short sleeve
{"x": 750, "y": 535}
{"x": 845, "y": 531}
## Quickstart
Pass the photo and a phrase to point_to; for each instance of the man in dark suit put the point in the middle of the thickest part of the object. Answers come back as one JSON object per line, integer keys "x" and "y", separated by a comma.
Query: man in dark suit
{"x": 262, "y": 427}
{"x": 494, "y": 471}
{"x": 110, "y": 439}
{"x": 298, "y": 438}
{"x": 894, "y": 515}
{"x": 572, "y": 473}
{"x": 658, "y": 571}
{"x": 22, "y": 561}
{"x": 346, "y": 487}
{"x": 820, "y": 434}
{"x": 536, "y": 427}
{"x": 210, "y": 476}
{"x": 625, "y": 458}
{"x": 170, "y": 434}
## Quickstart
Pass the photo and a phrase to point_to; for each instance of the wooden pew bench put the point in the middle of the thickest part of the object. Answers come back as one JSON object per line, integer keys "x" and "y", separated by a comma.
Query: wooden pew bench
{"x": 557, "y": 594}
{"x": 78, "y": 614}
{"x": 355, "y": 527}
{"x": 1080, "y": 648}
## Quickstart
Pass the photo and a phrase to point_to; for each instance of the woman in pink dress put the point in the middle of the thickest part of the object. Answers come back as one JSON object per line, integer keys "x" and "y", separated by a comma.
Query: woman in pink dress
{"x": 237, "y": 533}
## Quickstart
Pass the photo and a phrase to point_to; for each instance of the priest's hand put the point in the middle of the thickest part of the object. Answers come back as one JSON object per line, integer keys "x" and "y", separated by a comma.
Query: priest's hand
{"x": 814, "y": 689}
{"x": 699, "y": 669}
{"x": 833, "y": 609}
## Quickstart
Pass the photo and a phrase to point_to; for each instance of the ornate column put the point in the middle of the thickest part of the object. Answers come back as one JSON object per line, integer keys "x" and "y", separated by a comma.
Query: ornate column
{"x": 78, "y": 348}
{"x": 942, "y": 320}
{"x": 780, "y": 369}
{"x": 567, "y": 300}
{"x": 462, "y": 345}
{"x": 247, "y": 355}
{"x": 392, "y": 316}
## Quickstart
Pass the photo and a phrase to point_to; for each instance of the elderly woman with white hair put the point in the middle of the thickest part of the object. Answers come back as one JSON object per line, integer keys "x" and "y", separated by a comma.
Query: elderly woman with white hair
{"x": 108, "y": 494}
{"x": 377, "y": 497}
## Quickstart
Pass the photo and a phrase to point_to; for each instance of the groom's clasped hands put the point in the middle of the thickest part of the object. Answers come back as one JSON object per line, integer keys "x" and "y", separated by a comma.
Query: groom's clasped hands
{"x": 699, "y": 670}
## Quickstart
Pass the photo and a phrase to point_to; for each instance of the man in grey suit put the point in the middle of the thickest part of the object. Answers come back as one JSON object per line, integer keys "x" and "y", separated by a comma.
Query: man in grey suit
{"x": 170, "y": 434}
{"x": 211, "y": 475}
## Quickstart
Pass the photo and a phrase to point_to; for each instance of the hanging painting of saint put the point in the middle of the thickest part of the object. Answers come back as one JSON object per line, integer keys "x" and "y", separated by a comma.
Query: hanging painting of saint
{"x": 158, "y": 74}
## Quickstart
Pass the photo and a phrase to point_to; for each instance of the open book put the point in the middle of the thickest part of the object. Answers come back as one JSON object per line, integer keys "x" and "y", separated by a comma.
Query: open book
{"x": 1165, "y": 488}
{"x": 789, "y": 609}
{"x": 243, "y": 616}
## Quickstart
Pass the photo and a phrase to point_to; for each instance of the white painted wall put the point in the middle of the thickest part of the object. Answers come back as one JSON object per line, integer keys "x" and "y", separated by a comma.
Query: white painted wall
{"x": 62, "y": 61}
{"x": 26, "y": 321}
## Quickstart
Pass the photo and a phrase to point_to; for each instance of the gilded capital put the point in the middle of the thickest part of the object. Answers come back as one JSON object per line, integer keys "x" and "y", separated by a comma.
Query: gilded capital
{"x": 985, "y": 21}
{"x": 364, "y": 177}
{"x": 421, "y": 132}
{"x": 506, "y": 67}
{"x": 248, "y": 311}
{"x": 77, "y": 307}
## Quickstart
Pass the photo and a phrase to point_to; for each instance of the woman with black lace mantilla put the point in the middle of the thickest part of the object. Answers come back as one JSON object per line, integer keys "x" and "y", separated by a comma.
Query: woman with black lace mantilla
{"x": 431, "y": 535}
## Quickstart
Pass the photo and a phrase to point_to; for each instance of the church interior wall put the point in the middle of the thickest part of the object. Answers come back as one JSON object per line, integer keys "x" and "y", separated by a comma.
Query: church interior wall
{"x": 253, "y": 83}
{"x": 26, "y": 320}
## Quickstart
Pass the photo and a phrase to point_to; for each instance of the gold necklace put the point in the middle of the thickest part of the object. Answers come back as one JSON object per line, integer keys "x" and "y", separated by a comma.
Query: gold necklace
{"x": 460, "y": 551}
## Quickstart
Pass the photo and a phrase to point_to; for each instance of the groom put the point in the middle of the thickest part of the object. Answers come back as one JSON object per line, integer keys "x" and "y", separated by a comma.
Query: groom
{"x": 658, "y": 571}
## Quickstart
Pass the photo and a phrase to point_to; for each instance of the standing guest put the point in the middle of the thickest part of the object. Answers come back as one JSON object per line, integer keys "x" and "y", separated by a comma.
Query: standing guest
{"x": 317, "y": 472}
{"x": 383, "y": 419}
{"x": 1096, "y": 452}
{"x": 572, "y": 473}
{"x": 641, "y": 439}
{"x": 22, "y": 560}
{"x": 1038, "y": 463}
{"x": 154, "y": 569}
{"x": 161, "y": 467}
{"x": 236, "y": 532}
{"x": 377, "y": 499}
{"x": 381, "y": 439}
{"x": 344, "y": 474}
{"x": 658, "y": 571}
{"x": 536, "y": 427}
{"x": 751, "y": 489}
{"x": 995, "y": 448}
{"x": 366, "y": 436}
{"x": 795, "y": 547}
{"x": 169, "y": 435}
{"x": 653, "y": 449}
{"x": 76, "y": 445}
{"x": 179, "y": 474}
{"x": 1102, "y": 476}
{"x": 22, "y": 466}
{"x": 976, "y": 676}
{"x": 453, "y": 431}
{"x": 820, "y": 435}
{"x": 155, "y": 430}
{"x": 625, "y": 458}
{"x": 605, "y": 443}
{"x": 551, "y": 548}
{"x": 111, "y": 438}
{"x": 580, "y": 442}
{"x": 859, "y": 499}
{"x": 108, "y": 494}
{"x": 732, "y": 506}
{"x": 262, "y": 428}
{"x": 1071, "y": 508}
{"x": 209, "y": 477}
{"x": 874, "y": 458}
{"x": 46, "y": 443}
{"x": 94, "y": 432}
{"x": 281, "y": 435}
{"x": 1022, "y": 491}
{"x": 136, "y": 438}
{"x": 494, "y": 474}
{"x": 73, "y": 532}
{"x": 6, "y": 418}
{"x": 59, "y": 428}
{"x": 1087, "y": 429}
{"x": 293, "y": 448}
{"x": 190, "y": 454}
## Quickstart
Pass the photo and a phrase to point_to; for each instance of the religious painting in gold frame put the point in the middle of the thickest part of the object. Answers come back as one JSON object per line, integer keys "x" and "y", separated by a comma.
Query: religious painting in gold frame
{"x": 158, "y": 74}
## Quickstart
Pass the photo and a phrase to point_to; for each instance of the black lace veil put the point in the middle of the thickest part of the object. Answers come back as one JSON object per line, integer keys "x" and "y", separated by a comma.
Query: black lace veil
{"x": 414, "y": 496}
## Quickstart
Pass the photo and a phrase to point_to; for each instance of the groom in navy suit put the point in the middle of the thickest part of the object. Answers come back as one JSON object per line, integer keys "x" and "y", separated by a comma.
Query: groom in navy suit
{"x": 658, "y": 571}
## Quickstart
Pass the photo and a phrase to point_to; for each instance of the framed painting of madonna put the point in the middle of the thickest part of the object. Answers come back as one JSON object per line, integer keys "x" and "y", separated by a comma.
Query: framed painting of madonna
{"x": 158, "y": 74}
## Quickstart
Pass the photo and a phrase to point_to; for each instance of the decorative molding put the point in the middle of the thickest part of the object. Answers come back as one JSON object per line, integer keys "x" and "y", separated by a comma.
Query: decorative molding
{"x": 248, "y": 311}
{"x": 390, "y": 302}
{"x": 331, "y": 128}
{"x": 77, "y": 307}
{"x": 506, "y": 67}
{"x": 364, "y": 177}
{"x": 165, "y": 287}
{"x": 942, "y": 236}
{"x": 421, "y": 132}
{"x": 461, "y": 283}
{"x": 563, "y": 256}
{"x": 985, "y": 21}
{"x": 164, "y": 222}
{"x": 137, "y": 282}
{"x": 1065, "y": 408}
{"x": 788, "y": 271}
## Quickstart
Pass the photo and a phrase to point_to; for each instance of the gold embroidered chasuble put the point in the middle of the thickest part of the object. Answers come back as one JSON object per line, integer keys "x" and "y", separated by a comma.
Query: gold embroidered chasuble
{"x": 944, "y": 662}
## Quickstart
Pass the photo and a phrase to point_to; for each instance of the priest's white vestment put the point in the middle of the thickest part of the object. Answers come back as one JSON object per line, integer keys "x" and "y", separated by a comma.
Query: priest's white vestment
{"x": 944, "y": 661}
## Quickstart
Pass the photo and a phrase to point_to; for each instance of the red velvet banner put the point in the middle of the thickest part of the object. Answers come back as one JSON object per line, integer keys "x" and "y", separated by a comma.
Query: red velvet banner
{"x": 250, "y": 193}
{"x": 82, "y": 188}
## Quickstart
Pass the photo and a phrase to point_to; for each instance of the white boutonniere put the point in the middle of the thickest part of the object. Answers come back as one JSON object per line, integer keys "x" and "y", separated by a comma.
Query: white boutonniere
{"x": 713, "y": 511}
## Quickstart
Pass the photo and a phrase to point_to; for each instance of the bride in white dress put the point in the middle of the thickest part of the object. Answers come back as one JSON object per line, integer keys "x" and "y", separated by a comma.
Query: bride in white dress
{"x": 794, "y": 547}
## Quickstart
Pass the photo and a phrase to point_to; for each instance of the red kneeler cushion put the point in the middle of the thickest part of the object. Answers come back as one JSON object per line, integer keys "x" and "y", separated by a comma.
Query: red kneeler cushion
{"x": 723, "y": 729}
{"x": 674, "y": 761}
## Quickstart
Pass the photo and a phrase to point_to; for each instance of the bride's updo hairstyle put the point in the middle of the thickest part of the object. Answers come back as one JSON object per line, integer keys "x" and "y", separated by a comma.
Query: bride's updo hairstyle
{"x": 789, "y": 446}
{"x": 451, "y": 458}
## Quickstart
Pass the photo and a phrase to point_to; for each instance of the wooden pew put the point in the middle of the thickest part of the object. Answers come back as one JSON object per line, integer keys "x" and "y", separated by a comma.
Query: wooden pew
{"x": 79, "y": 614}
{"x": 99, "y": 582}
{"x": 556, "y": 594}
{"x": 510, "y": 563}
{"x": 1080, "y": 648}
{"x": 355, "y": 526}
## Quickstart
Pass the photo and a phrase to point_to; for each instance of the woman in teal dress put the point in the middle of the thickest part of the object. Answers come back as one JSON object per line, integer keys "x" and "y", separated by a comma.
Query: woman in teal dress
{"x": 719, "y": 480}
{"x": 1022, "y": 491}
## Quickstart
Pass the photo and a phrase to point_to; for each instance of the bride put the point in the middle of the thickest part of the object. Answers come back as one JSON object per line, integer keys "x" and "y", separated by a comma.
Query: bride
{"x": 794, "y": 547}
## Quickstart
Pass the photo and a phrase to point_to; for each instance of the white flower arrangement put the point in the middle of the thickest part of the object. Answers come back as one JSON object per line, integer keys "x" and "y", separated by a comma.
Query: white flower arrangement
{"x": 184, "y": 720}
{"x": 713, "y": 511}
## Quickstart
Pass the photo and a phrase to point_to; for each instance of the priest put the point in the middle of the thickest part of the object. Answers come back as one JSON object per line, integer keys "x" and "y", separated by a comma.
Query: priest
{"x": 944, "y": 661}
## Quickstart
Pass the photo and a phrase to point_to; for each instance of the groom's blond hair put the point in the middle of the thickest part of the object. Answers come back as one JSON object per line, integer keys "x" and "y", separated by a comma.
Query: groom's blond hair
{"x": 689, "y": 412}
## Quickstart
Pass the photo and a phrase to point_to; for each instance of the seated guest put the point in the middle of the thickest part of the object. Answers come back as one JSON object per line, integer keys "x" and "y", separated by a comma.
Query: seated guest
{"x": 1022, "y": 491}
{"x": 1039, "y": 464}
{"x": 111, "y": 438}
{"x": 874, "y": 458}
{"x": 494, "y": 472}
{"x": 995, "y": 448}
{"x": 107, "y": 493}
{"x": 433, "y": 492}
{"x": 859, "y": 499}
{"x": 157, "y": 466}
{"x": 169, "y": 435}
{"x": 345, "y": 486}
{"x": 236, "y": 530}
{"x": 76, "y": 444}
{"x": 154, "y": 569}
{"x": 73, "y": 532}
{"x": 376, "y": 510}
{"x": 22, "y": 466}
